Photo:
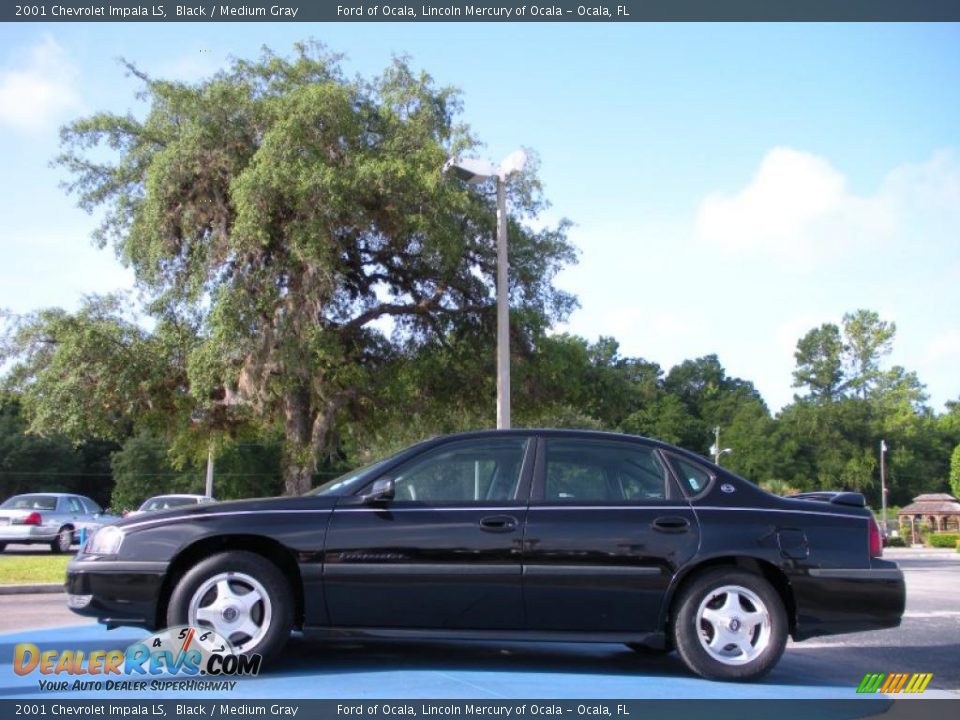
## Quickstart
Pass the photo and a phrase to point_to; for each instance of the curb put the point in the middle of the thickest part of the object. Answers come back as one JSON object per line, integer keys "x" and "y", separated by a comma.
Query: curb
{"x": 44, "y": 588}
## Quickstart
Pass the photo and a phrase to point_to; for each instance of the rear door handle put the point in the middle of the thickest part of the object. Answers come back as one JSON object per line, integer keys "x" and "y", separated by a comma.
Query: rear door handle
{"x": 498, "y": 523}
{"x": 671, "y": 524}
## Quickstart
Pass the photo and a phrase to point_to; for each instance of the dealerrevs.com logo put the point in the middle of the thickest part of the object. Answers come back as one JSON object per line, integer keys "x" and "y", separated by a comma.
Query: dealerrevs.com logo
{"x": 178, "y": 655}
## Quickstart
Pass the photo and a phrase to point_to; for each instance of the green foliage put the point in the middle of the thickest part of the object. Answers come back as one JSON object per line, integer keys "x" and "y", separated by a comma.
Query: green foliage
{"x": 35, "y": 463}
{"x": 897, "y": 542}
{"x": 955, "y": 472}
{"x": 143, "y": 468}
{"x": 943, "y": 540}
{"x": 819, "y": 359}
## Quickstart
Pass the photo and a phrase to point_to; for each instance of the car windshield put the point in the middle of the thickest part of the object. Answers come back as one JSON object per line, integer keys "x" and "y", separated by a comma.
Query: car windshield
{"x": 166, "y": 503}
{"x": 31, "y": 502}
{"x": 341, "y": 484}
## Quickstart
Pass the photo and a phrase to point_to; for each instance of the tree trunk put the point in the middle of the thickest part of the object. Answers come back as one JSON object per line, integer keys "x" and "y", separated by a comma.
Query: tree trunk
{"x": 299, "y": 456}
{"x": 307, "y": 430}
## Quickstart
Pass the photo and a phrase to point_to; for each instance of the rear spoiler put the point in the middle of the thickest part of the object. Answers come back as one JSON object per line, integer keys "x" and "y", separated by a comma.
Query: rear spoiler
{"x": 853, "y": 499}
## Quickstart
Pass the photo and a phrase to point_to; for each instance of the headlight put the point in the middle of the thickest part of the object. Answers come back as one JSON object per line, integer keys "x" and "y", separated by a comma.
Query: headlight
{"x": 105, "y": 541}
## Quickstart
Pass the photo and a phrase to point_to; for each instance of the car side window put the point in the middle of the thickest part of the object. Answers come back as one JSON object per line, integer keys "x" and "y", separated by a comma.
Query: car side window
{"x": 603, "y": 471}
{"x": 91, "y": 506}
{"x": 693, "y": 478}
{"x": 74, "y": 506}
{"x": 472, "y": 471}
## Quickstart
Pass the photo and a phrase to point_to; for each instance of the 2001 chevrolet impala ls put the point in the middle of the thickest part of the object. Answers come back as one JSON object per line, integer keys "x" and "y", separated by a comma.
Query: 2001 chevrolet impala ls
{"x": 517, "y": 534}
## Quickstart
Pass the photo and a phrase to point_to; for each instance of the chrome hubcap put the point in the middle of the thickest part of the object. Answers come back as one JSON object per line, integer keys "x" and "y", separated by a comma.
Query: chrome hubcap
{"x": 734, "y": 625}
{"x": 236, "y": 606}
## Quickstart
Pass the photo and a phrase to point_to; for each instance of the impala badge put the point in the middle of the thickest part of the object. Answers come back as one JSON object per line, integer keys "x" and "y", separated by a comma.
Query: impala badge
{"x": 727, "y": 488}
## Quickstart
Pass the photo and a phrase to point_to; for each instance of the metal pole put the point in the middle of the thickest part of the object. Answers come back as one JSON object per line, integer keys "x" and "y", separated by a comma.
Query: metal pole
{"x": 716, "y": 445}
{"x": 503, "y": 313}
{"x": 209, "y": 492}
{"x": 883, "y": 484}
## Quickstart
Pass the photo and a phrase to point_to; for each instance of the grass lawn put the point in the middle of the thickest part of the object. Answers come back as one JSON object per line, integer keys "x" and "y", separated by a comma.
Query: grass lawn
{"x": 28, "y": 569}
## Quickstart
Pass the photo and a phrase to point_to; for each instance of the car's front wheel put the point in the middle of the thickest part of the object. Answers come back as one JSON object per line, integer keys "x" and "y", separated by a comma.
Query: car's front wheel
{"x": 242, "y": 596}
{"x": 730, "y": 625}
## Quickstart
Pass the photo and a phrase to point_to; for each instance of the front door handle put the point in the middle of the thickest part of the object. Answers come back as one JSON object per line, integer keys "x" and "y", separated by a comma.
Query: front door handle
{"x": 671, "y": 524}
{"x": 499, "y": 523}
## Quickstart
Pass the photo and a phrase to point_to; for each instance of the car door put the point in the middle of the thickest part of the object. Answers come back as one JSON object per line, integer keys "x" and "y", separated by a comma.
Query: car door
{"x": 607, "y": 528}
{"x": 76, "y": 513}
{"x": 445, "y": 551}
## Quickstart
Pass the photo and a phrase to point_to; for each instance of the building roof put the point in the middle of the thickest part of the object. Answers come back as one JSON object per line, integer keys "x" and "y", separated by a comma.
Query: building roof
{"x": 932, "y": 503}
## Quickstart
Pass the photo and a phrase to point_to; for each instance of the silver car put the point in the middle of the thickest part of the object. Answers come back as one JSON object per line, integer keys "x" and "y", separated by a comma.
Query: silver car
{"x": 159, "y": 503}
{"x": 54, "y": 519}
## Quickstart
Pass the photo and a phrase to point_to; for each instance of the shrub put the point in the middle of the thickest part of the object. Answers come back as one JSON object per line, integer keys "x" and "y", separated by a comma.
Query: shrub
{"x": 944, "y": 540}
{"x": 896, "y": 542}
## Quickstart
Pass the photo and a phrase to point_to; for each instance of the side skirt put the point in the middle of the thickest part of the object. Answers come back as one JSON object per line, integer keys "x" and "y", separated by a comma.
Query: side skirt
{"x": 654, "y": 640}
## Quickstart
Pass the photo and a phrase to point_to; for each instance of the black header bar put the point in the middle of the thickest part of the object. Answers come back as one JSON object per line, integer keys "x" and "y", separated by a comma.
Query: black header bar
{"x": 481, "y": 11}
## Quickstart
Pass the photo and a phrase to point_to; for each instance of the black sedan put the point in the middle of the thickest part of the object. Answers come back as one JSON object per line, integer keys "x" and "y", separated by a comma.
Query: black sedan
{"x": 518, "y": 534}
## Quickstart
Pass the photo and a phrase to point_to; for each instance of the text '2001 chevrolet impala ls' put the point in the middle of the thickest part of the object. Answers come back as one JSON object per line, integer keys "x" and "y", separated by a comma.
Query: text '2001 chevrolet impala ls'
{"x": 517, "y": 534}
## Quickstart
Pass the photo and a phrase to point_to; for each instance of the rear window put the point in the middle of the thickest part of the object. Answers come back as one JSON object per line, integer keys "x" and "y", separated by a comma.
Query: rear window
{"x": 31, "y": 502}
{"x": 167, "y": 503}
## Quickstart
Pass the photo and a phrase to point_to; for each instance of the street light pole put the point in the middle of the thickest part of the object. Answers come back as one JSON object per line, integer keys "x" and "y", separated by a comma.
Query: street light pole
{"x": 472, "y": 171}
{"x": 883, "y": 484}
{"x": 503, "y": 311}
{"x": 717, "y": 451}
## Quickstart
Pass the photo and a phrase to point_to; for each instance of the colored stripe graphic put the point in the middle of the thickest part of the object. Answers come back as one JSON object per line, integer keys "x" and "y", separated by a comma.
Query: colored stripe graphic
{"x": 871, "y": 682}
{"x": 894, "y": 683}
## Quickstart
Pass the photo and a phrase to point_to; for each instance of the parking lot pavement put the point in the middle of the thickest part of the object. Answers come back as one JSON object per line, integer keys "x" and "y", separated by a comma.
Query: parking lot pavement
{"x": 824, "y": 668}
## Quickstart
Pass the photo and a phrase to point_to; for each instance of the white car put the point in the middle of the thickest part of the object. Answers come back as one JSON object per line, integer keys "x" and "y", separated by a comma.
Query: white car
{"x": 160, "y": 503}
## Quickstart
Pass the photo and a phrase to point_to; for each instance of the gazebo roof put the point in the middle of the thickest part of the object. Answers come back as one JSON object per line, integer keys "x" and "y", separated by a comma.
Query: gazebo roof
{"x": 932, "y": 503}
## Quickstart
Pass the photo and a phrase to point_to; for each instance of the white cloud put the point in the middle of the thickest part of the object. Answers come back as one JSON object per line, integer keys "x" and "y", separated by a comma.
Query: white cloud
{"x": 39, "y": 90}
{"x": 798, "y": 207}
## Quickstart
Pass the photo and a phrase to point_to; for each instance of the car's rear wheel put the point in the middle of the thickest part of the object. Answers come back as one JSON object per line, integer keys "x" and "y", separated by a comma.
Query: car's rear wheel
{"x": 63, "y": 541}
{"x": 730, "y": 625}
{"x": 3, "y": 546}
{"x": 242, "y": 596}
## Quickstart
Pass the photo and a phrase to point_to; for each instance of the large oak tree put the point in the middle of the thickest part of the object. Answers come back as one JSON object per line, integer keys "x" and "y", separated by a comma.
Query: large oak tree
{"x": 299, "y": 223}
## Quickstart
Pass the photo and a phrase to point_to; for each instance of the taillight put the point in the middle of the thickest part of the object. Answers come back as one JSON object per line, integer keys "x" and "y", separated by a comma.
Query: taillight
{"x": 876, "y": 542}
{"x": 33, "y": 519}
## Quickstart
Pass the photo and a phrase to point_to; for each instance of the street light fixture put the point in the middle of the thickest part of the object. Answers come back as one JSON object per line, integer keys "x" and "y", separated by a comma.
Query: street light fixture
{"x": 473, "y": 171}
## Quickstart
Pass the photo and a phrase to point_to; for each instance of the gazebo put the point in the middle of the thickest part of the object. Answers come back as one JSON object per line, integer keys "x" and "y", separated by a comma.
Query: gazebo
{"x": 938, "y": 510}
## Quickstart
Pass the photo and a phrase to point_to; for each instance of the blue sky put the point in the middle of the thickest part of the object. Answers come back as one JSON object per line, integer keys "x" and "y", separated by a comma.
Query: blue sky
{"x": 732, "y": 186}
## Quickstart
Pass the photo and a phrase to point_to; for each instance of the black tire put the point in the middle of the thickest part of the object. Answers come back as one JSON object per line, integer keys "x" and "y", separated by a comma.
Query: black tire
{"x": 748, "y": 612}
{"x": 63, "y": 542}
{"x": 3, "y": 546}
{"x": 641, "y": 649}
{"x": 245, "y": 572}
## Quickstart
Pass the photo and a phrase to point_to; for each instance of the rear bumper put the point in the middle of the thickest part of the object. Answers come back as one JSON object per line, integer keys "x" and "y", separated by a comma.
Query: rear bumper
{"x": 832, "y": 601}
{"x": 27, "y": 534}
{"x": 116, "y": 593}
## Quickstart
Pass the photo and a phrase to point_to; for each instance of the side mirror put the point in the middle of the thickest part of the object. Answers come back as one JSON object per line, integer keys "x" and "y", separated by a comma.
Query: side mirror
{"x": 381, "y": 491}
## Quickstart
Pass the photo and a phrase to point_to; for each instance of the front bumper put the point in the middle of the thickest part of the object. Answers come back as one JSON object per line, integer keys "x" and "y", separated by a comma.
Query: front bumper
{"x": 832, "y": 601}
{"x": 115, "y": 592}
